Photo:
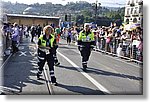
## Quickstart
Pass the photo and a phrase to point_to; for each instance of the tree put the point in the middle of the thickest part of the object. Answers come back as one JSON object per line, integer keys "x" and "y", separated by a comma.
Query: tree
{"x": 86, "y": 13}
{"x": 80, "y": 19}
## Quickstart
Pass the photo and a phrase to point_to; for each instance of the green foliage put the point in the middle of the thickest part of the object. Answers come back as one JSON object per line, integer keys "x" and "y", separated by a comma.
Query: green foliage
{"x": 86, "y": 13}
{"x": 80, "y": 19}
{"x": 81, "y": 11}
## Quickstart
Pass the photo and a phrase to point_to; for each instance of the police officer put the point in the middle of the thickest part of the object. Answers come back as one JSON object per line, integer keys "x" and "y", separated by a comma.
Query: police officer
{"x": 86, "y": 43}
{"x": 46, "y": 51}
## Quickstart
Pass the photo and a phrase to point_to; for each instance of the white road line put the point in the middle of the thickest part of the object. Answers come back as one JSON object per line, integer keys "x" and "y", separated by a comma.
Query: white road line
{"x": 6, "y": 61}
{"x": 98, "y": 85}
{"x": 47, "y": 81}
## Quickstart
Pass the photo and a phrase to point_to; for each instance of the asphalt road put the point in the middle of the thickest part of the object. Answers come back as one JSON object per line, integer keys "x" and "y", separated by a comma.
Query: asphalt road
{"x": 106, "y": 75}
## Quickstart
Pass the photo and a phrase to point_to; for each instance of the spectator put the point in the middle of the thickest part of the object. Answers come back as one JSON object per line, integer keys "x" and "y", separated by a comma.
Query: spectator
{"x": 119, "y": 50}
{"x": 125, "y": 43}
{"x": 140, "y": 46}
{"x": 69, "y": 36}
{"x": 102, "y": 37}
{"x": 109, "y": 43}
{"x": 33, "y": 32}
{"x": 38, "y": 30}
{"x": 21, "y": 33}
{"x": 15, "y": 36}
{"x": 58, "y": 33}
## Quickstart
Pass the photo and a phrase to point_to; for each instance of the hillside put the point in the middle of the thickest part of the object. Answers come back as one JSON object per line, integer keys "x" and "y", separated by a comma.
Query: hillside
{"x": 75, "y": 9}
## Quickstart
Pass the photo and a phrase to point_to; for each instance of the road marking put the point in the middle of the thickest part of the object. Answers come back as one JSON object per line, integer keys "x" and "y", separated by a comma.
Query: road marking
{"x": 21, "y": 47}
{"x": 9, "y": 90}
{"x": 23, "y": 53}
{"x": 51, "y": 92}
{"x": 6, "y": 61}
{"x": 113, "y": 70}
{"x": 98, "y": 85}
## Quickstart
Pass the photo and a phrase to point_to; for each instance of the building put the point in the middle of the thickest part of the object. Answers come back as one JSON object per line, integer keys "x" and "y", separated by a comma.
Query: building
{"x": 30, "y": 11}
{"x": 31, "y": 17}
{"x": 134, "y": 12}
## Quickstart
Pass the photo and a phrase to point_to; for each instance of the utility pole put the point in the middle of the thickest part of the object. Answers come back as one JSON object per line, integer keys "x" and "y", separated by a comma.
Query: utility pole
{"x": 96, "y": 5}
{"x": 96, "y": 12}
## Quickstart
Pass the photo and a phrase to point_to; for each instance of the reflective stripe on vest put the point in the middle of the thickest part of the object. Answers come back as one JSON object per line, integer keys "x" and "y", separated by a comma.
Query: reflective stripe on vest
{"x": 84, "y": 38}
{"x": 43, "y": 42}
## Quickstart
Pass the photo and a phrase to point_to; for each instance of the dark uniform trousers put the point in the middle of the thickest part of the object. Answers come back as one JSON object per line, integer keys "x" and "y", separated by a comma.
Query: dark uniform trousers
{"x": 42, "y": 57}
{"x": 85, "y": 51}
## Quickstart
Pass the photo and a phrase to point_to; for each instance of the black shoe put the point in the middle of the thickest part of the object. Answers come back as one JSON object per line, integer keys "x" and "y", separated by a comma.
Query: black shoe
{"x": 84, "y": 67}
{"x": 57, "y": 64}
{"x": 53, "y": 81}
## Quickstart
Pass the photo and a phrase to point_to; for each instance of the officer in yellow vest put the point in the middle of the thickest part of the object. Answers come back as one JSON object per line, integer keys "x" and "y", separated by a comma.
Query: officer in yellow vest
{"x": 86, "y": 42}
{"x": 46, "y": 51}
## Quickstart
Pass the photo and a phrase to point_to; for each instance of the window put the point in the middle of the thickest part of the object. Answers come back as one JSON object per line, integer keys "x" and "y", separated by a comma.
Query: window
{"x": 134, "y": 20}
{"x": 128, "y": 3}
{"x": 141, "y": 9}
{"x": 127, "y": 21}
{"x": 132, "y": 3}
{"x": 131, "y": 10}
{"x": 135, "y": 11}
{"x": 128, "y": 10}
{"x": 139, "y": 18}
{"x": 140, "y": 2}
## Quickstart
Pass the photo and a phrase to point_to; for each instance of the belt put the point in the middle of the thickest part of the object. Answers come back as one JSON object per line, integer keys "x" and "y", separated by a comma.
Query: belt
{"x": 45, "y": 50}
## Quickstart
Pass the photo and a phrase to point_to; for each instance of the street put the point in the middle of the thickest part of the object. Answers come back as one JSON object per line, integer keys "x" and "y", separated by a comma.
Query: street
{"x": 105, "y": 75}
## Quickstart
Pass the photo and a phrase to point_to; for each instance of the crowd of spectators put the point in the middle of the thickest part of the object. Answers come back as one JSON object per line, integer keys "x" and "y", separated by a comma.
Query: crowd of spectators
{"x": 113, "y": 39}
{"x": 12, "y": 35}
{"x": 117, "y": 40}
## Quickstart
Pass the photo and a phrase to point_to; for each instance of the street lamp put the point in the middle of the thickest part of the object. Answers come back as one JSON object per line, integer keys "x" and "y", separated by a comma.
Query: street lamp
{"x": 96, "y": 5}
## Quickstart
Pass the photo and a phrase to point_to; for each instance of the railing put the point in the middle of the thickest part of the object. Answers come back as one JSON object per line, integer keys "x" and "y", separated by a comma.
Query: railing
{"x": 129, "y": 52}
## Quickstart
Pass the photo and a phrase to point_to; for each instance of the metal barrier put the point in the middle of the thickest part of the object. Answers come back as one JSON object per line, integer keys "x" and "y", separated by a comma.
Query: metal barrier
{"x": 132, "y": 52}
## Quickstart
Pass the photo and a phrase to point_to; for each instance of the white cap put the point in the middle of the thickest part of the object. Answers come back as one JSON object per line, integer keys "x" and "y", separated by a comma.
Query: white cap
{"x": 86, "y": 24}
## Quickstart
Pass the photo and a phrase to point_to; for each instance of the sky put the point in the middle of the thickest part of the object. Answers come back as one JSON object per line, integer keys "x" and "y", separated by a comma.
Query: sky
{"x": 112, "y": 3}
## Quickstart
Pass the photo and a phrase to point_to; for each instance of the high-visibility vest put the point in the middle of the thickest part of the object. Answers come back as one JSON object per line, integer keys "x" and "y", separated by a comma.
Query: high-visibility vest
{"x": 86, "y": 38}
{"x": 43, "y": 42}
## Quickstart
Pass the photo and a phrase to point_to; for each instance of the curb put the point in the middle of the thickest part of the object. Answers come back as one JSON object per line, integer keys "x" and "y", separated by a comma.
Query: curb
{"x": 115, "y": 55}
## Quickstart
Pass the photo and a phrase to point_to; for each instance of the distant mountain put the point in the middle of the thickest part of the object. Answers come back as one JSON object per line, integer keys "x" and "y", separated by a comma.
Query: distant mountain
{"x": 52, "y": 9}
{"x": 79, "y": 9}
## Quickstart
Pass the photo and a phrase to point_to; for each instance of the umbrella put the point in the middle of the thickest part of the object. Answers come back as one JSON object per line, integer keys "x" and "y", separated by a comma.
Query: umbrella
{"x": 131, "y": 26}
{"x": 134, "y": 26}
